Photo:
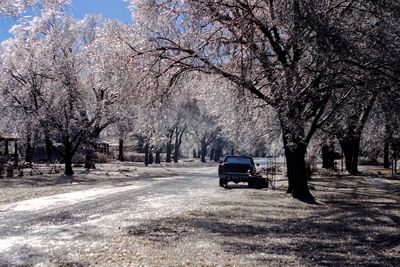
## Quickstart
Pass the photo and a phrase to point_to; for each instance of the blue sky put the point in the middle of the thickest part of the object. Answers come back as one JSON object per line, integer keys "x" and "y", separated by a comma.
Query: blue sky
{"x": 114, "y": 9}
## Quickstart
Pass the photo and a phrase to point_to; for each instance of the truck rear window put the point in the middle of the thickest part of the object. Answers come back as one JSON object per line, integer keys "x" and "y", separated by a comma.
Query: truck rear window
{"x": 237, "y": 160}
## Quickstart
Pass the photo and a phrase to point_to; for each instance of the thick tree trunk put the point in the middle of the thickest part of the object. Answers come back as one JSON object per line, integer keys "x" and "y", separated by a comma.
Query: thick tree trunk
{"x": 296, "y": 170}
{"x": 295, "y": 144}
{"x": 199, "y": 154}
{"x": 68, "y": 157}
{"x": 351, "y": 149}
{"x": 121, "y": 149}
{"x": 328, "y": 157}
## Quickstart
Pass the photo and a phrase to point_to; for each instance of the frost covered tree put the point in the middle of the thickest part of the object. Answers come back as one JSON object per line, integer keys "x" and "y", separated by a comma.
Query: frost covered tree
{"x": 108, "y": 79}
{"x": 16, "y": 7}
{"x": 289, "y": 54}
{"x": 371, "y": 75}
{"x": 255, "y": 45}
{"x": 67, "y": 77}
{"x": 350, "y": 128}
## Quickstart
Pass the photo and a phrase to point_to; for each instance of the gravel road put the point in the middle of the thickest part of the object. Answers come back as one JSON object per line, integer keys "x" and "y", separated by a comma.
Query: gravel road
{"x": 36, "y": 231}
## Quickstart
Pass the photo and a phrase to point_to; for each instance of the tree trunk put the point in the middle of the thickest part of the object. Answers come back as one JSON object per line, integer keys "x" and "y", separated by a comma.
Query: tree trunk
{"x": 90, "y": 157}
{"x": 158, "y": 157}
{"x": 328, "y": 157}
{"x": 169, "y": 152}
{"x": 351, "y": 149}
{"x": 29, "y": 149}
{"x": 203, "y": 151}
{"x": 146, "y": 155}
{"x": 49, "y": 150}
{"x": 68, "y": 157}
{"x": 121, "y": 150}
{"x": 178, "y": 142}
{"x": 176, "y": 145}
{"x": 194, "y": 153}
{"x": 16, "y": 156}
{"x": 217, "y": 154}
{"x": 350, "y": 142}
{"x": 176, "y": 153}
{"x": 6, "y": 152}
{"x": 151, "y": 157}
{"x": 212, "y": 153}
{"x": 295, "y": 145}
{"x": 386, "y": 149}
{"x": 199, "y": 154}
{"x": 296, "y": 168}
{"x": 387, "y": 141}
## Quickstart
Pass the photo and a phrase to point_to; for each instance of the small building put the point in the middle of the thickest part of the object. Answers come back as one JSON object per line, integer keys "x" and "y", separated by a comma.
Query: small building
{"x": 103, "y": 147}
{"x": 7, "y": 154}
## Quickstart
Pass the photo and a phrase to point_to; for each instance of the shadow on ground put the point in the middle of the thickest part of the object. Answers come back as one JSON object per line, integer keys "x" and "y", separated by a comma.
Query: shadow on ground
{"x": 356, "y": 224}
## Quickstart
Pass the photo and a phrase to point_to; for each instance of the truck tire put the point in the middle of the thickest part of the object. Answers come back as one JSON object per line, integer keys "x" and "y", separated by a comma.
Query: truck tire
{"x": 222, "y": 182}
{"x": 251, "y": 183}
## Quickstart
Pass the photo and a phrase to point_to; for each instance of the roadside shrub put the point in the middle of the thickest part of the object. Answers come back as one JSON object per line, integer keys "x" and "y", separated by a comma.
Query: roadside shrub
{"x": 311, "y": 165}
{"x": 369, "y": 161}
{"x": 134, "y": 157}
{"x": 103, "y": 158}
{"x": 78, "y": 159}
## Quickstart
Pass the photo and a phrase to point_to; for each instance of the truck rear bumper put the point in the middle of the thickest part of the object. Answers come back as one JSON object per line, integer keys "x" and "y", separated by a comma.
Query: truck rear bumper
{"x": 235, "y": 177}
{"x": 256, "y": 181}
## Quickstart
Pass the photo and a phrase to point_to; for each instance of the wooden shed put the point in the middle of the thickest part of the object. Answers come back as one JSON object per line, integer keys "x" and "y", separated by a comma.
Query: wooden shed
{"x": 7, "y": 154}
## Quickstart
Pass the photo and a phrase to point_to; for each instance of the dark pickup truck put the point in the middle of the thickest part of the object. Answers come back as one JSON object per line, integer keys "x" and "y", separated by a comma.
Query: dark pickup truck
{"x": 239, "y": 169}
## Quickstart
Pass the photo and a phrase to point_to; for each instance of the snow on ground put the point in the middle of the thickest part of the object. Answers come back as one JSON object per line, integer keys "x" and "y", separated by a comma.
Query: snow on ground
{"x": 55, "y": 201}
{"x": 22, "y": 188}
